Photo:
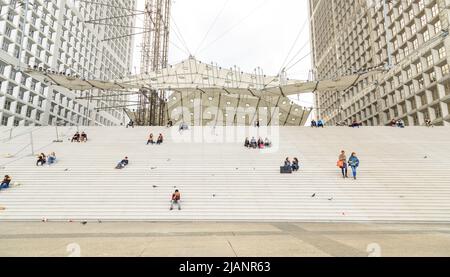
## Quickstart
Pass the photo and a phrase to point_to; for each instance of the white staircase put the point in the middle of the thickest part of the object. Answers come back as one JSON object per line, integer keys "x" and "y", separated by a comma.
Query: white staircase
{"x": 225, "y": 181}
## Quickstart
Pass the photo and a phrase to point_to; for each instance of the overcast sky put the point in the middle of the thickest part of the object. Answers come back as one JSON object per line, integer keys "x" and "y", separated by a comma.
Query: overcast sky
{"x": 247, "y": 34}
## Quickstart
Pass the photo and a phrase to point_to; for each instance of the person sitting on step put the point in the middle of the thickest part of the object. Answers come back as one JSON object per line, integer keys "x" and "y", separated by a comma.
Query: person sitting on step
{"x": 400, "y": 123}
{"x": 247, "y": 143}
{"x": 260, "y": 143}
{"x": 313, "y": 123}
{"x": 287, "y": 163}
{"x": 150, "y": 139}
{"x": 83, "y": 137}
{"x": 130, "y": 124}
{"x": 160, "y": 139}
{"x": 169, "y": 124}
{"x": 295, "y": 165}
{"x": 253, "y": 143}
{"x": 320, "y": 124}
{"x": 123, "y": 163}
{"x": 267, "y": 143}
{"x": 176, "y": 198}
{"x": 76, "y": 137}
{"x": 41, "y": 160}
{"x": 428, "y": 123}
{"x": 5, "y": 183}
{"x": 51, "y": 158}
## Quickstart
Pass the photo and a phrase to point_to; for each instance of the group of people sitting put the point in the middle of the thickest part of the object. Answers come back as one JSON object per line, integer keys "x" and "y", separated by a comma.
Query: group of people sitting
{"x": 397, "y": 123}
{"x": 151, "y": 140}
{"x": 5, "y": 183}
{"x": 49, "y": 159}
{"x": 79, "y": 137}
{"x": 317, "y": 124}
{"x": 260, "y": 143}
{"x": 291, "y": 166}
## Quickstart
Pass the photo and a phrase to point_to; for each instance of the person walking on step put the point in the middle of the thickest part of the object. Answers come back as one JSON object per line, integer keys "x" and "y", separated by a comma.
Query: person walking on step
{"x": 353, "y": 162}
{"x": 5, "y": 183}
{"x": 342, "y": 164}
{"x": 176, "y": 198}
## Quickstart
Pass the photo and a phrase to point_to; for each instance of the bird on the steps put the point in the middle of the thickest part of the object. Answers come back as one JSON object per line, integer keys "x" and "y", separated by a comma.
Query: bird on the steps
{"x": 154, "y": 186}
{"x": 84, "y": 222}
{"x": 99, "y": 221}
{"x": 214, "y": 195}
{"x": 330, "y": 199}
{"x": 314, "y": 195}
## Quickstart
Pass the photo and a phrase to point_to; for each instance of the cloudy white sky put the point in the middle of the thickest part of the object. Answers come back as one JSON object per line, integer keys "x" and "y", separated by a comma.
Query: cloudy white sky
{"x": 247, "y": 34}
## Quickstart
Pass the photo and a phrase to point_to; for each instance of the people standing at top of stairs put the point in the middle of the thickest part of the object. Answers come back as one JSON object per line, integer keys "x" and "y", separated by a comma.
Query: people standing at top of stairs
{"x": 5, "y": 183}
{"x": 353, "y": 162}
{"x": 257, "y": 124}
{"x": 130, "y": 124}
{"x": 342, "y": 164}
{"x": 123, "y": 163}
{"x": 313, "y": 123}
{"x": 51, "y": 158}
{"x": 160, "y": 139}
{"x": 428, "y": 123}
{"x": 169, "y": 124}
{"x": 42, "y": 159}
{"x": 150, "y": 140}
{"x": 400, "y": 123}
{"x": 76, "y": 137}
{"x": 83, "y": 137}
{"x": 176, "y": 199}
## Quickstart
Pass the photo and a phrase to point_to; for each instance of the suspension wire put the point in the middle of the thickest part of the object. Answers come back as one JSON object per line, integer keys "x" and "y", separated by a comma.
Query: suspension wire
{"x": 234, "y": 26}
{"x": 212, "y": 25}
{"x": 113, "y": 17}
{"x": 293, "y": 45}
{"x": 301, "y": 59}
{"x": 108, "y": 5}
{"x": 298, "y": 53}
{"x": 180, "y": 34}
{"x": 15, "y": 6}
{"x": 124, "y": 36}
{"x": 114, "y": 25}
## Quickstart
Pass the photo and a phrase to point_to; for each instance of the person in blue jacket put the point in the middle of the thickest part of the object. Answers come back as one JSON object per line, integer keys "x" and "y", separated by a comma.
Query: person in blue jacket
{"x": 353, "y": 162}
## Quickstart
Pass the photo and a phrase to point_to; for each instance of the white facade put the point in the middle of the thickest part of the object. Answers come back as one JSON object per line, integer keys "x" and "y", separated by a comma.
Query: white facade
{"x": 348, "y": 36}
{"x": 57, "y": 38}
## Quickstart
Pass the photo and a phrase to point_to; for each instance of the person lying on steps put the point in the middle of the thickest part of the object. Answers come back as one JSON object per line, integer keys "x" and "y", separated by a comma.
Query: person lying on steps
{"x": 122, "y": 164}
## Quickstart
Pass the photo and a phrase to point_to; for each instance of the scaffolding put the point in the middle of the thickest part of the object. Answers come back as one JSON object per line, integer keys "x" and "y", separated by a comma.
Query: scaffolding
{"x": 154, "y": 57}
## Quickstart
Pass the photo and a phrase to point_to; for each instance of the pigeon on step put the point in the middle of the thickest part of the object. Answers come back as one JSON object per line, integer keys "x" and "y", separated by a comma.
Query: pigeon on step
{"x": 84, "y": 222}
{"x": 314, "y": 195}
